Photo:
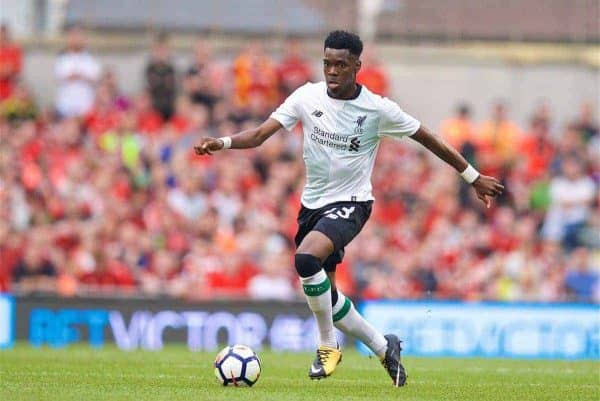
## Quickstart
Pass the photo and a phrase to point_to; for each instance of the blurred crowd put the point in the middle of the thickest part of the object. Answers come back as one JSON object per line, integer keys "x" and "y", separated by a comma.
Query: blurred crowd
{"x": 102, "y": 193}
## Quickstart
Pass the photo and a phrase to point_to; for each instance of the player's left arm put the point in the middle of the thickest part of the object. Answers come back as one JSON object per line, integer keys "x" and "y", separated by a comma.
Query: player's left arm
{"x": 484, "y": 185}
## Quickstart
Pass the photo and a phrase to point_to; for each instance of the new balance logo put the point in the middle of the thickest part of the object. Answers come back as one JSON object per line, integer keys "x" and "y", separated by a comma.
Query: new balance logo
{"x": 317, "y": 113}
{"x": 354, "y": 145}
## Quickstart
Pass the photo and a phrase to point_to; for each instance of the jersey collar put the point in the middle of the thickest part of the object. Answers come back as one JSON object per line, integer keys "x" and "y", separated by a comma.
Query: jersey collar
{"x": 355, "y": 96}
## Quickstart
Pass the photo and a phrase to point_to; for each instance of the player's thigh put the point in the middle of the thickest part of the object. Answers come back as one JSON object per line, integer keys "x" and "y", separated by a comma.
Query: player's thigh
{"x": 317, "y": 244}
{"x": 307, "y": 218}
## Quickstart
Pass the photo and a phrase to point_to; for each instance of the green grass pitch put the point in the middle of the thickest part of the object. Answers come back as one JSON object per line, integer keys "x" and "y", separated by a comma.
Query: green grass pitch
{"x": 81, "y": 373}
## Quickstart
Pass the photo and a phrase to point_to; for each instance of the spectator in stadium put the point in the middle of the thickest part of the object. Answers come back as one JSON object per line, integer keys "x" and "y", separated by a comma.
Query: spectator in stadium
{"x": 180, "y": 121}
{"x": 148, "y": 120}
{"x": 163, "y": 276}
{"x": 108, "y": 275}
{"x": 255, "y": 78}
{"x": 110, "y": 81}
{"x": 19, "y": 106}
{"x": 202, "y": 82}
{"x": 537, "y": 149}
{"x": 187, "y": 199}
{"x": 160, "y": 77}
{"x": 372, "y": 73}
{"x": 569, "y": 144}
{"x": 580, "y": 279}
{"x": 498, "y": 136}
{"x": 77, "y": 72}
{"x": 232, "y": 276}
{"x": 273, "y": 280}
{"x": 571, "y": 196}
{"x": 589, "y": 234}
{"x": 459, "y": 131}
{"x": 585, "y": 122}
{"x": 11, "y": 61}
{"x": 294, "y": 69}
{"x": 103, "y": 116}
{"x": 35, "y": 271}
{"x": 11, "y": 249}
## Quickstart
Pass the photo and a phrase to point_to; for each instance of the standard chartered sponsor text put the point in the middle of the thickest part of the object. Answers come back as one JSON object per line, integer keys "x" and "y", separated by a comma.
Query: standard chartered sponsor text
{"x": 329, "y": 139}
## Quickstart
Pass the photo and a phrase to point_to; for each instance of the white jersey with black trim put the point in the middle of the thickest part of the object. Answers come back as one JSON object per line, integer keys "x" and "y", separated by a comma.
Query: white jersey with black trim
{"x": 341, "y": 138}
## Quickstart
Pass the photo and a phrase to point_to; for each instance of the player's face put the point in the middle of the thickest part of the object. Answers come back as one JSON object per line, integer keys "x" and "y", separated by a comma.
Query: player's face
{"x": 340, "y": 68}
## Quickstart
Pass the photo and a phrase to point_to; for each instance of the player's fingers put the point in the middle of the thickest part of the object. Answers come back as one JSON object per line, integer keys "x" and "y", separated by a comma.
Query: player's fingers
{"x": 203, "y": 149}
{"x": 484, "y": 199}
{"x": 206, "y": 148}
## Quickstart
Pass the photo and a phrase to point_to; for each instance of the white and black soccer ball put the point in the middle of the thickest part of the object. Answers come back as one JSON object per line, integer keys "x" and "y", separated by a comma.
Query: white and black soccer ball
{"x": 237, "y": 365}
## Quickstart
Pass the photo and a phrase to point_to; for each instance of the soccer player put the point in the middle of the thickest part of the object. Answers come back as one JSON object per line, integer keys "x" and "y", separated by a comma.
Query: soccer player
{"x": 343, "y": 123}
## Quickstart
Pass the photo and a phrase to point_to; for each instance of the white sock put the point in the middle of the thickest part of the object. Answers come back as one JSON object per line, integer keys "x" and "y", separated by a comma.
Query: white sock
{"x": 317, "y": 289}
{"x": 348, "y": 320}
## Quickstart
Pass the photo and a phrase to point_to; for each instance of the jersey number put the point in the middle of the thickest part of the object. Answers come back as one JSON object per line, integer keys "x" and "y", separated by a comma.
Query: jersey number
{"x": 334, "y": 213}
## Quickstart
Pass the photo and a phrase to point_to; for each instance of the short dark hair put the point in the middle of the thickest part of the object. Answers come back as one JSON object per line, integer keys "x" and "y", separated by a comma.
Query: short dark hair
{"x": 463, "y": 109}
{"x": 344, "y": 40}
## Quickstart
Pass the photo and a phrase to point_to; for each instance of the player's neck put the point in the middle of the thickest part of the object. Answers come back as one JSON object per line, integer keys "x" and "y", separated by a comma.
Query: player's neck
{"x": 351, "y": 94}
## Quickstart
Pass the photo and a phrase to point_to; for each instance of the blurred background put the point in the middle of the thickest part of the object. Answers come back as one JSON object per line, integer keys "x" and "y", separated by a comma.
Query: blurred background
{"x": 102, "y": 196}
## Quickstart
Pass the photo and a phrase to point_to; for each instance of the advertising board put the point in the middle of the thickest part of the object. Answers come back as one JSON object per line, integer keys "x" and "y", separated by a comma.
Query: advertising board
{"x": 520, "y": 330}
{"x": 7, "y": 320}
{"x": 150, "y": 324}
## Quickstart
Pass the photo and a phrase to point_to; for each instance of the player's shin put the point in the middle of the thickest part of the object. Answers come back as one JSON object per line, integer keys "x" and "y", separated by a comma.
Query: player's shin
{"x": 317, "y": 290}
{"x": 347, "y": 319}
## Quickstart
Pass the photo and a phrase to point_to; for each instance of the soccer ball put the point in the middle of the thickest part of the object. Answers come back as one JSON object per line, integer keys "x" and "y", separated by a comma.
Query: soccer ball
{"x": 237, "y": 366}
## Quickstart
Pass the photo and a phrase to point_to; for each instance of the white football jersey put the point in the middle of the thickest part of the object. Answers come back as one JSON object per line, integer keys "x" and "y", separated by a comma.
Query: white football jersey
{"x": 341, "y": 138}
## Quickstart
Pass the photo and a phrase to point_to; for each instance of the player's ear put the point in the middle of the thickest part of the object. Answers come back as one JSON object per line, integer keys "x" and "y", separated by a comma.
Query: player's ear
{"x": 358, "y": 64}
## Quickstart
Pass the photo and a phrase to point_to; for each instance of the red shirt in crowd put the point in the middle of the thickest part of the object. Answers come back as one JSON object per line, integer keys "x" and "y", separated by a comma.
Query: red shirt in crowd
{"x": 10, "y": 67}
{"x": 292, "y": 73}
{"x": 374, "y": 78}
{"x": 98, "y": 122}
{"x": 115, "y": 274}
{"x": 8, "y": 261}
{"x": 539, "y": 153}
{"x": 149, "y": 122}
{"x": 180, "y": 123}
{"x": 231, "y": 283}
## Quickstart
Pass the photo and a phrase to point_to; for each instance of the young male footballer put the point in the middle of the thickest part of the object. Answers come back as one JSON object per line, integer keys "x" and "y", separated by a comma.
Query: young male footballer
{"x": 343, "y": 123}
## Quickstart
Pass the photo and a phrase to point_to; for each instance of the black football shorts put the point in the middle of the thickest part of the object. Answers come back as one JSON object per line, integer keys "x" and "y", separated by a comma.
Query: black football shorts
{"x": 339, "y": 221}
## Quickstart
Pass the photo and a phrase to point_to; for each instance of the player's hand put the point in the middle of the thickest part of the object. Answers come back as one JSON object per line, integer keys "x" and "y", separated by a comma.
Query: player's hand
{"x": 208, "y": 145}
{"x": 487, "y": 187}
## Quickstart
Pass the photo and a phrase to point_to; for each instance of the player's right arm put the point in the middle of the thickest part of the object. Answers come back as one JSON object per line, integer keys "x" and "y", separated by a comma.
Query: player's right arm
{"x": 286, "y": 116}
{"x": 249, "y": 138}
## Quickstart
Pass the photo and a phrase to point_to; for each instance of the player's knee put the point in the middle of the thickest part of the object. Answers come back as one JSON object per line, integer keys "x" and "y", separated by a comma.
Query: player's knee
{"x": 307, "y": 265}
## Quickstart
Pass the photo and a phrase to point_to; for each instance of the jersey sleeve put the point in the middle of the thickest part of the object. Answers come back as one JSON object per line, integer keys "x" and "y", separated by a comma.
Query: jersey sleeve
{"x": 395, "y": 122}
{"x": 288, "y": 113}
